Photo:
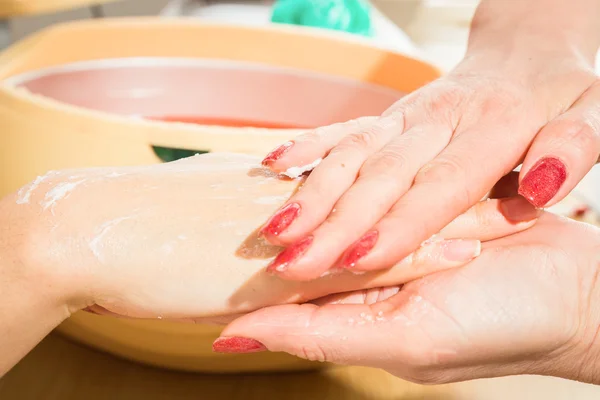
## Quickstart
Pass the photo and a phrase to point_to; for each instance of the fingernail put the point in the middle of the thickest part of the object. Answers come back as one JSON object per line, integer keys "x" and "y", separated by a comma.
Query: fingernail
{"x": 360, "y": 249}
{"x": 518, "y": 210}
{"x": 277, "y": 153}
{"x": 461, "y": 250}
{"x": 543, "y": 181}
{"x": 237, "y": 345}
{"x": 290, "y": 255}
{"x": 281, "y": 220}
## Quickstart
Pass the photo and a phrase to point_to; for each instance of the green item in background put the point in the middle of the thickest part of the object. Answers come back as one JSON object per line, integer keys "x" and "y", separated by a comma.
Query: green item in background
{"x": 168, "y": 154}
{"x": 352, "y": 16}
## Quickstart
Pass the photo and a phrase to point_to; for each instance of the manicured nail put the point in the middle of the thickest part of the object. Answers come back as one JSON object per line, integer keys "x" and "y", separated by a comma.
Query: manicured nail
{"x": 281, "y": 220}
{"x": 543, "y": 181}
{"x": 360, "y": 248}
{"x": 518, "y": 210}
{"x": 277, "y": 153}
{"x": 237, "y": 345}
{"x": 461, "y": 250}
{"x": 290, "y": 255}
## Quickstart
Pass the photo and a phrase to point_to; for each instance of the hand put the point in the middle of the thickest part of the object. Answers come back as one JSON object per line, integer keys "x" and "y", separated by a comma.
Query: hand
{"x": 386, "y": 184}
{"x": 530, "y": 304}
{"x": 177, "y": 241}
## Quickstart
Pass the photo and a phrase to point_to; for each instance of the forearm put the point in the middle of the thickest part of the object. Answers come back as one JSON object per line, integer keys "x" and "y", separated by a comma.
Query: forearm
{"x": 543, "y": 26}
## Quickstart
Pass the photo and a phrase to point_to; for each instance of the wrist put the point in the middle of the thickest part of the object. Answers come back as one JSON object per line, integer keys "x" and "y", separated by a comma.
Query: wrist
{"x": 33, "y": 261}
{"x": 34, "y": 298}
{"x": 536, "y": 30}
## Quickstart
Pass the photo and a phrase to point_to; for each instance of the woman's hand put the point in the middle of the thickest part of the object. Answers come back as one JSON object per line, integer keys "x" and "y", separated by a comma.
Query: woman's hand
{"x": 530, "y": 304}
{"x": 177, "y": 241}
{"x": 526, "y": 92}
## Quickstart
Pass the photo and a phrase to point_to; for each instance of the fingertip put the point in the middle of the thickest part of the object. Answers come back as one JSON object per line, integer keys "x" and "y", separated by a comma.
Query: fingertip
{"x": 277, "y": 153}
{"x": 543, "y": 181}
{"x": 280, "y": 266}
{"x": 359, "y": 249}
{"x": 280, "y": 221}
{"x": 237, "y": 345}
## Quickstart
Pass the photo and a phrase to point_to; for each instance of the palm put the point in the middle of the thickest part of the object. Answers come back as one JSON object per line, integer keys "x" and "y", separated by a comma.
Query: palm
{"x": 521, "y": 299}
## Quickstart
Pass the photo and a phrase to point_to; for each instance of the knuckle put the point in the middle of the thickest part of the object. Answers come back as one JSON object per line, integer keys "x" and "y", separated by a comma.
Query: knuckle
{"x": 312, "y": 352}
{"x": 484, "y": 220}
{"x": 312, "y": 137}
{"x": 439, "y": 170}
{"x": 342, "y": 129}
{"x": 359, "y": 124}
{"x": 583, "y": 132}
{"x": 444, "y": 100}
{"x": 361, "y": 141}
{"x": 385, "y": 162}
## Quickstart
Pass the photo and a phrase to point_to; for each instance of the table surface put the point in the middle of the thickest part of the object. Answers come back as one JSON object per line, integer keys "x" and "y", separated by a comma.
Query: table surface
{"x": 61, "y": 370}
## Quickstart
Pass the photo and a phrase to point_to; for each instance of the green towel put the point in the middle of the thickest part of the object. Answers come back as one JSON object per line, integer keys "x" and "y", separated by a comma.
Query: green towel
{"x": 352, "y": 16}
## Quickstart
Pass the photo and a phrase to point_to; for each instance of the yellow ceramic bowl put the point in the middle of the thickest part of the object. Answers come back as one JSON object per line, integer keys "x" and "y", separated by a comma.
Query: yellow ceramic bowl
{"x": 15, "y": 8}
{"x": 72, "y": 96}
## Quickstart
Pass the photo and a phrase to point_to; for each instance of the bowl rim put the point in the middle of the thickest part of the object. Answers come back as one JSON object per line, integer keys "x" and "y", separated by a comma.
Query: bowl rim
{"x": 17, "y": 81}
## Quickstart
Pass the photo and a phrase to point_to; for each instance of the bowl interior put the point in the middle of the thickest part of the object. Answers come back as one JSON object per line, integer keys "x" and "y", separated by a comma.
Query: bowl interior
{"x": 212, "y": 92}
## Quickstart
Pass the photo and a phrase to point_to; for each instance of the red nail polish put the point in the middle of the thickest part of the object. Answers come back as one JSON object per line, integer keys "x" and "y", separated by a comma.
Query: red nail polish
{"x": 289, "y": 255}
{"x": 281, "y": 220}
{"x": 277, "y": 153}
{"x": 543, "y": 181}
{"x": 237, "y": 345}
{"x": 360, "y": 249}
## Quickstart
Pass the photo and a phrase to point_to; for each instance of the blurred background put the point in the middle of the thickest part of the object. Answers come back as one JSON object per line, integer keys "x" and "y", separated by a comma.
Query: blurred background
{"x": 438, "y": 27}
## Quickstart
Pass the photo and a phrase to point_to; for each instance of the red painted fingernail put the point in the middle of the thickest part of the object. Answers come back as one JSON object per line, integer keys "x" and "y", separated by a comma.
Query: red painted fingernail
{"x": 237, "y": 345}
{"x": 544, "y": 180}
{"x": 277, "y": 153}
{"x": 289, "y": 255}
{"x": 360, "y": 249}
{"x": 281, "y": 220}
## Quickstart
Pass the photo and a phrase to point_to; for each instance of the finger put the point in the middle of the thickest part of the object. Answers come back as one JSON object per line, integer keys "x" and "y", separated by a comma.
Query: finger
{"x": 310, "y": 206}
{"x": 431, "y": 256}
{"x": 487, "y": 220}
{"x": 345, "y": 314}
{"x": 492, "y": 219}
{"x": 313, "y": 145}
{"x": 563, "y": 152}
{"x": 357, "y": 334}
{"x": 333, "y": 333}
{"x": 443, "y": 189}
{"x": 383, "y": 178}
